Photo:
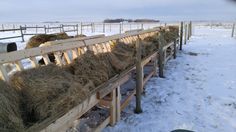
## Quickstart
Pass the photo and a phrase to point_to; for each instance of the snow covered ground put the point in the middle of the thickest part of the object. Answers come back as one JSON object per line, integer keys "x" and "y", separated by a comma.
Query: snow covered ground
{"x": 198, "y": 93}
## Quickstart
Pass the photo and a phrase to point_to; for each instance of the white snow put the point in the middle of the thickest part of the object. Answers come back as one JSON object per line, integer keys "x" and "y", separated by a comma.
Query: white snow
{"x": 198, "y": 93}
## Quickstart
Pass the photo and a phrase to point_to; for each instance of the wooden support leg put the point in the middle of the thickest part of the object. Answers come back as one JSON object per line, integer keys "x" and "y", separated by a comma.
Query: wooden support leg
{"x": 155, "y": 66}
{"x": 139, "y": 77}
{"x": 175, "y": 49}
{"x": 181, "y": 36}
{"x": 118, "y": 104}
{"x": 161, "y": 59}
{"x": 113, "y": 108}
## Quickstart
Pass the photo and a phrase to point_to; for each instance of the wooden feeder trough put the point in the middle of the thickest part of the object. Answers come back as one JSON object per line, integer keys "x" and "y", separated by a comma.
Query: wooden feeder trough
{"x": 112, "y": 96}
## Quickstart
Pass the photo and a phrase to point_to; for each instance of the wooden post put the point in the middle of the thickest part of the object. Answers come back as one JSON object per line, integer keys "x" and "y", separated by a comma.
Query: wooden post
{"x": 191, "y": 28}
{"x": 81, "y": 28}
{"x": 110, "y": 27}
{"x": 185, "y": 33}
{"x": 139, "y": 77}
{"x": 181, "y": 35}
{"x": 22, "y": 34}
{"x": 120, "y": 28}
{"x": 142, "y": 26}
{"x": 104, "y": 27}
{"x": 93, "y": 27}
{"x": 25, "y": 29}
{"x": 118, "y": 104}
{"x": 77, "y": 29}
{"x": 233, "y": 30}
{"x": 48, "y": 29}
{"x": 161, "y": 55}
{"x": 175, "y": 49}
{"x": 113, "y": 108}
{"x": 188, "y": 29}
{"x": 45, "y": 29}
{"x": 62, "y": 27}
{"x": 36, "y": 29}
{"x": 155, "y": 66}
{"x": 2, "y": 27}
{"x": 130, "y": 26}
{"x": 14, "y": 28}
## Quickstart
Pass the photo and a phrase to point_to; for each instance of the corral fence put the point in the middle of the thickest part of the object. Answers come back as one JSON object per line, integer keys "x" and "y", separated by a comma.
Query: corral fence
{"x": 77, "y": 28}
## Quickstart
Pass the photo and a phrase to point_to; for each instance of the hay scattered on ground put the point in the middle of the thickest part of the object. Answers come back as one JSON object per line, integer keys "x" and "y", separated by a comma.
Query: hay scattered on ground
{"x": 48, "y": 92}
{"x": 10, "y": 116}
{"x": 36, "y": 40}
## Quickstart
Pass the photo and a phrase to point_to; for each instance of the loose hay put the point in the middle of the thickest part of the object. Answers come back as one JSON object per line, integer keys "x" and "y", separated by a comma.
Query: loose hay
{"x": 122, "y": 56}
{"x": 95, "y": 68}
{"x": 36, "y": 40}
{"x": 47, "y": 92}
{"x": 10, "y": 116}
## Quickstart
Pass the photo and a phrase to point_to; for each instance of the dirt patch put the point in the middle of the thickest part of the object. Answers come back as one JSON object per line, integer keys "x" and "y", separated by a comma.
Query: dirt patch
{"x": 10, "y": 116}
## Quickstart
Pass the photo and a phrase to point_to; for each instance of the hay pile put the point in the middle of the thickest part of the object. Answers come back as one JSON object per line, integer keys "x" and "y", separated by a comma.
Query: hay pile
{"x": 150, "y": 45}
{"x": 122, "y": 56}
{"x": 10, "y": 116}
{"x": 36, "y": 40}
{"x": 48, "y": 92}
{"x": 91, "y": 67}
{"x": 171, "y": 33}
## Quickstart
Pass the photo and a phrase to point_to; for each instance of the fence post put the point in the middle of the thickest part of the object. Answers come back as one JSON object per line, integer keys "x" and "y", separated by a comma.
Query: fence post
{"x": 181, "y": 35}
{"x": 142, "y": 26}
{"x": 2, "y": 27}
{"x": 22, "y": 35}
{"x": 130, "y": 26}
{"x": 139, "y": 77}
{"x": 120, "y": 28}
{"x": 233, "y": 30}
{"x": 104, "y": 27}
{"x": 36, "y": 29}
{"x": 77, "y": 29}
{"x": 93, "y": 27}
{"x": 191, "y": 28}
{"x": 110, "y": 27}
{"x": 161, "y": 55}
{"x": 25, "y": 28}
{"x": 62, "y": 27}
{"x": 185, "y": 33}
{"x": 45, "y": 29}
{"x": 81, "y": 28}
{"x": 188, "y": 29}
{"x": 48, "y": 29}
{"x": 175, "y": 49}
{"x": 14, "y": 28}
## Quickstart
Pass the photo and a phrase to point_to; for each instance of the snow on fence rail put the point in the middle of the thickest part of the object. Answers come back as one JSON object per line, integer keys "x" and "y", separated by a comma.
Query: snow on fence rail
{"x": 111, "y": 88}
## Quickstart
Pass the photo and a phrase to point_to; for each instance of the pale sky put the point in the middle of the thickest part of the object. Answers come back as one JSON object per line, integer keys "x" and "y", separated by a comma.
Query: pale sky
{"x": 97, "y": 10}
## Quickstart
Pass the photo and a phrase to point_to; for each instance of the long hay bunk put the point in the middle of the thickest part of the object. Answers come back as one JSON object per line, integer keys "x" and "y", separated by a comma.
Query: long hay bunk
{"x": 91, "y": 81}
